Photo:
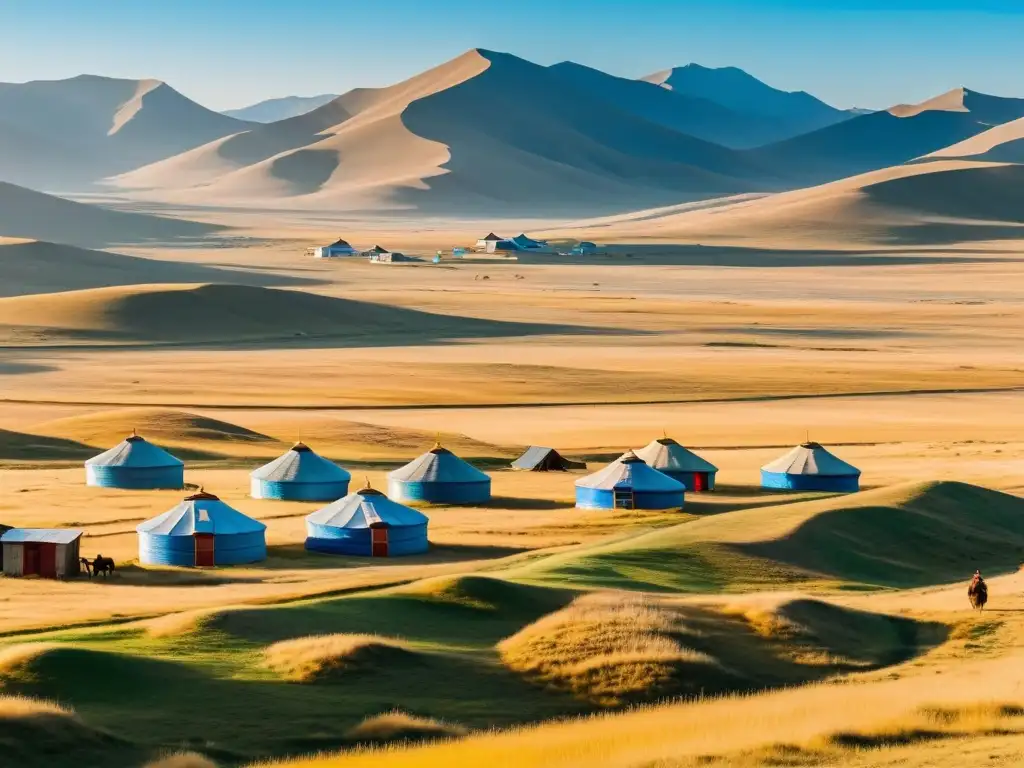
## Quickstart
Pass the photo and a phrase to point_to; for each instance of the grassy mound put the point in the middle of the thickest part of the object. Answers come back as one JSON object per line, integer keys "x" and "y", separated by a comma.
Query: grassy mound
{"x": 321, "y": 657}
{"x": 612, "y": 649}
{"x": 19, "y": 446}
{"x": 912, "y": 534}
{"x": 485, "y": 593}
{"x": 401, "y": 727}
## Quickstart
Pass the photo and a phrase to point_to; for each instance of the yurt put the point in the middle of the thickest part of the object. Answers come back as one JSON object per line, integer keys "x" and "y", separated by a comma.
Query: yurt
{"x": 202, "y": 531}
{"x": 628, "y": 483}
{"x": 810, "y": 467}
{"x": 338, "y": 248}
{"x": 135, "y": 464}
{"x": 439, "y": 477}
{"x": 369, "y": 524}
{"x": 300, "y": 475}
{"x": 670, "y": 458}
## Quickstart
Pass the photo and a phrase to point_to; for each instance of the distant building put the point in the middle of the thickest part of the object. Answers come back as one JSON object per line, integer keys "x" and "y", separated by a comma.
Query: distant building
{"x": 135, "y": 464}
{"x": 810, "y": 467}
{"x": 334, "y": 250}
{"x": 379, "y": 255}
{"x": 52, "y": 553}
{"x": 487, "y": 242}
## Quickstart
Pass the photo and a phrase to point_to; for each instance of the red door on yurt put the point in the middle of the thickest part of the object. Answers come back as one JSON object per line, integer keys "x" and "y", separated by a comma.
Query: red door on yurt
{"x": 379, "y": 542}
{"x": 204, "y": 550}
{"x": 30, "y": 559}
{"x": 48, "y": 560}
{"x": 700, "y": 481}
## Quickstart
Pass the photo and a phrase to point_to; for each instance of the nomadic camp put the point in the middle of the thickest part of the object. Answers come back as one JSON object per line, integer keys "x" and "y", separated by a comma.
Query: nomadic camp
{"x": 378, "y": 255}
{"x": 52, "y": 553}
{"x": 369, "y": 524}
{"x": 301, "y": 474}
{"x": 628, "y": 483}
{"x": 338, "y": 248}
{"x": 810, "y": 467}
{"x": 202, "y": 531}
{"x": 135, "y": 464}
{"x": 539, "y": 459}
{"x": 439, "y": 477}
{"x": 670, "y": 458}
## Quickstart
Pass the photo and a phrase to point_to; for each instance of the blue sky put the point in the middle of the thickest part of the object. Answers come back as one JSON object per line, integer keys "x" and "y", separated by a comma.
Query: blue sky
{"x": 229, "y": 53}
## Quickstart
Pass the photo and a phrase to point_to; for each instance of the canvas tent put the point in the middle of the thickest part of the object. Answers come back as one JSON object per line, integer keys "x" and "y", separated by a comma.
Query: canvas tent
{"x": 810, "y": 467}
{"x": 380, "y": 255}
{"x": 528, "y": 243}
{"x": 301, "y": 474}
{"x": 338, "y": 248}
{"x": 137, "y": 465}
{"x": 669, "y": 457}
{"x": 52, "y": 553}
{"x": 628, "y": 483}
{"x": 584, "y": 248}
{"x": 202, "y": 531}
{"x": 539, "y": 459}
{"x": 439, "y": 477}
{"x": 369, "y": 524}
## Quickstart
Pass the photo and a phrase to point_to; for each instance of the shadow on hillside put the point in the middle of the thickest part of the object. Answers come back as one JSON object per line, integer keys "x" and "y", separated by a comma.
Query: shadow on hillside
{"x": 291, "y": 556}
{"x": 519, "y": 502}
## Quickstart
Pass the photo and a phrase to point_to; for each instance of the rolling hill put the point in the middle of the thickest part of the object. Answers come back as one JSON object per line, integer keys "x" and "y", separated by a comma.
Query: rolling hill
{"x": 272, "y": 110}
{"x": 67, "y": 134}
{"x": 1002, "y": 144}
{"x": 25, "y": 213}
{"x": 891, "y": 137}
{"x": 486, "y": 132}
{"x": 780, "y": 114}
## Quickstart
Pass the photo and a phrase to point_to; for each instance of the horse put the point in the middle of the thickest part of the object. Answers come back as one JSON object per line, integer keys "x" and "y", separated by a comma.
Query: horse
{"x": 101, "y": 564}
{"x": 977, "y": 592}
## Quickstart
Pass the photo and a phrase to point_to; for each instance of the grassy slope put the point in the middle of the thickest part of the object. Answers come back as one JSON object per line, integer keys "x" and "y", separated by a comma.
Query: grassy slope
{"x": 906, "y": 535}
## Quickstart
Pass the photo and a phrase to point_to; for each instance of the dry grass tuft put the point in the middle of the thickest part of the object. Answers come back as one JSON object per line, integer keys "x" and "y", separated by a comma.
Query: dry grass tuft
{"x": 182, "y": 760}
{"x": 13, "y": 657}
{"x": 607, "y": 649}
{"x": 180, "y": 624}
{"x": 307, "y": 659}
{"x": 20, "y": 707}
{"x": 401, "y": 727}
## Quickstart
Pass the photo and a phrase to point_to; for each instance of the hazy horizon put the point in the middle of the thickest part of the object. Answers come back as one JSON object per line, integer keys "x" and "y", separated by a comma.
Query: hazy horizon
{"x": 863, "y": 53}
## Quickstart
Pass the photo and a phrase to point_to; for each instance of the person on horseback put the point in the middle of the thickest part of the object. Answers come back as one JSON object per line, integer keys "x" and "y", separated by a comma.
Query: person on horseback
{"x": 977, "y": 592}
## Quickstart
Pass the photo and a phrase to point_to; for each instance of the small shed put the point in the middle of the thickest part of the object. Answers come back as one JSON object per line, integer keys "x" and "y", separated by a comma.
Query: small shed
{"x": 540, "y": 459}
{"x": 810, "y": 467}
{"x": 135, "y": 464}
{"x": 670, "y": 458}
{"x": 52, "y": 553}
{"x": 202, "y": 531}
{"x": 301, "y": 474}
{"x": 338, "y": 248}
{"x": 439, "y": 477}
{"x": 369, "y": 524}
{"x": 628, "y": 483}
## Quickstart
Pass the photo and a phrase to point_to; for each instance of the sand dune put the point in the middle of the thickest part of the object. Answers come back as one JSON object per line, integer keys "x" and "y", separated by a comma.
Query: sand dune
{"x": 1002, "y": 144}
{"x": 272, "y": 110}
{"x": 32, "y": 267}
{"x": 28, "y": 214}
{"x": 68, "y": 133}
{"x": 485, "y": 132}
{"x": 781, "y": 114}
{"x": 887, "y": 138}
{"x": 926, "y": 203}
{"x": 192, "y": 314}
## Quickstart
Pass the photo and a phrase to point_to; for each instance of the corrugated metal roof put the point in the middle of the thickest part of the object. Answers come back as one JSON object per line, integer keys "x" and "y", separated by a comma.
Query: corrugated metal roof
{"x": 811, "y": 459}
{"x": 41, "y": 535}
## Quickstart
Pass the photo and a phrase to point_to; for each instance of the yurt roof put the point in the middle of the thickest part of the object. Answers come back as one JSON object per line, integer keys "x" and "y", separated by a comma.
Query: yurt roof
{"x": 135, "y": 452}
{"x": 201, "y": 513}
{"x": 378, "y": 249}
{"x": 630, "y": 471}
{"x": 301, "y": 464}
{"x": 438, "y": 466}
{"x": 340, "y": 243}
{"x": 491, "y": 236}
{"x": 666, "y": 454}
{"x": 366, "y": 508}
{"x": 811, "y": 459}
{"x": 41, "y": 535}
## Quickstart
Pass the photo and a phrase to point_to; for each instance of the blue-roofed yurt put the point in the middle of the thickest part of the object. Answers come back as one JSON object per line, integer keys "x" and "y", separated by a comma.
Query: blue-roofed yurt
{"x": 439, "y": 477}
{"x": 135, "y": 464}
{"x": 369, "y": 524}
{"x": 670, "y": 458}
{"x": 300, "y": 475}
{"x": 810, "y": 467}
{"x": 202, "y": 531}
{"x": 628, "y": 483}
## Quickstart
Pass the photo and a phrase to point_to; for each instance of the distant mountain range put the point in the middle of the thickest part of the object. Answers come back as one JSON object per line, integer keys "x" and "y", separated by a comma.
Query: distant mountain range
{"x": 486, "y": 133}
{"x": 272, "y": 110}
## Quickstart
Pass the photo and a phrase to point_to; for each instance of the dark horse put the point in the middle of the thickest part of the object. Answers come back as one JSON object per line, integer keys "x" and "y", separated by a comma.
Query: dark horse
{"x": 101, "y": 564}
{"x": 977, "y": 592}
